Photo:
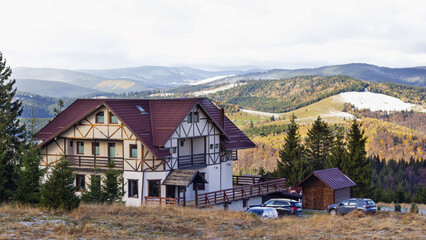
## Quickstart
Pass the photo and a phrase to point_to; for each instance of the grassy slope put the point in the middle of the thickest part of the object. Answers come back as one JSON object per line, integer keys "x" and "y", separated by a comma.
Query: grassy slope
{"x": 106, "y": 222}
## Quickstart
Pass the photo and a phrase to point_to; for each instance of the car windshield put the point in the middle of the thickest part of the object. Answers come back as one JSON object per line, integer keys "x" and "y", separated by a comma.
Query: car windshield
{"x": 258, "y": 212}
{"x": 369, "y": 202}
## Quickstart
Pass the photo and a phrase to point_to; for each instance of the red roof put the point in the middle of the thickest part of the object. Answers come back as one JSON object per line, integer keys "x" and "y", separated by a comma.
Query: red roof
{"x": 154, "y": 128}
{"x": 332, "y": 177}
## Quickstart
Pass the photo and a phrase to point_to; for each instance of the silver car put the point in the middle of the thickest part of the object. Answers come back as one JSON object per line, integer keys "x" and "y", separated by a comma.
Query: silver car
{"x": 263, "y": 212}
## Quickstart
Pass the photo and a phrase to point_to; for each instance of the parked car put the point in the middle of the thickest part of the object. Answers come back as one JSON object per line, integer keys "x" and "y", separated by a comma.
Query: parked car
{"x": 346, "y": 206}
{"x": 285, "y": 206}
{"x": 264, "y": 212}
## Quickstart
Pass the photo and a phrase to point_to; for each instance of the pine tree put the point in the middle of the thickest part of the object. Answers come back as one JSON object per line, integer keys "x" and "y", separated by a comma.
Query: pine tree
{"x": 357, "y": 166}
{"x": 338, "y": 152}
{"x": 59, "y": 191}
{"x": 113, "y": 186}
{"x": 94, "y": 193}
{"x": 28, "y": 176}
{"x": 12, "y": 131}
{"x": 58, "y": 110}
{"x": 318, "y": 144}
{"x": 292, "y": 164}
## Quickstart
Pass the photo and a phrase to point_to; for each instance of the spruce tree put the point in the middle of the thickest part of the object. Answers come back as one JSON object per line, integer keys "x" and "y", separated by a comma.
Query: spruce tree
{"x": 94, "y": 192}
{"x": 357, "y": 166}
{"x": 292, "y": 164}
{"x": 113, "y": 186}
{"x": 28, "y": 176}
{"x": 12, "y": 132}
{"x": 58, "y": 192}
{"x": 338, "y": 152}
{"x": 318, "y": 144}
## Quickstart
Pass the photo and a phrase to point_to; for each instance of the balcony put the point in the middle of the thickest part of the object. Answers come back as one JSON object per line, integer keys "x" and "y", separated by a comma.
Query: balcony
{"x": 78, "y": 161}
{"x": 190, "y": 161}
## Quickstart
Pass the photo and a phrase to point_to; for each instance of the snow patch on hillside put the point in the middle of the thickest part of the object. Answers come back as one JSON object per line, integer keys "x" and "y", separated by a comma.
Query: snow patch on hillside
{"x": 375, "y": 101}
{"x": 207, "y": 80}
{"x": 222, "y": 88}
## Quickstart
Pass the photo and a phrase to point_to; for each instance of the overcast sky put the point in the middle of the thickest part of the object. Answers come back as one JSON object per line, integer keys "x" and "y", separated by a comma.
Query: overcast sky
{"x": 212, "y": 34}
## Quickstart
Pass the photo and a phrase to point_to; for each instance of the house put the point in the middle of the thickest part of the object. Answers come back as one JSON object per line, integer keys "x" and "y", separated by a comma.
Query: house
{"x": 324, "y": 187}
{"x": 166, "y": 149}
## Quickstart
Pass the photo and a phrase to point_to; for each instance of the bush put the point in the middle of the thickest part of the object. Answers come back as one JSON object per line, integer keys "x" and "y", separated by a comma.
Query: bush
{"x": 397, "y": 208}
{"x": 414, "y": 208}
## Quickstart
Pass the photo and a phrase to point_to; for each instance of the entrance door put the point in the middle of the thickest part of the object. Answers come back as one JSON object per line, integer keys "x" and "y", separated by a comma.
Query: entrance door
{"x": 170, "y": 191}
{"x": 154, "y": 188}
{"x": 111, "y": 152}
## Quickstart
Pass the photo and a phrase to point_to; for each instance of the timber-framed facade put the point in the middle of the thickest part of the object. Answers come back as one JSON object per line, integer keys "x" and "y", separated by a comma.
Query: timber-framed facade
{"x": 147, "y": 140}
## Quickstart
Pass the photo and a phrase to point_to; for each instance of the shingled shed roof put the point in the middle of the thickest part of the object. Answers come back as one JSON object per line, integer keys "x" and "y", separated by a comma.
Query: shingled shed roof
{"x": 153, "y": 126}
{"x": 332, "y": 177}
{"x": 183, "y": 178}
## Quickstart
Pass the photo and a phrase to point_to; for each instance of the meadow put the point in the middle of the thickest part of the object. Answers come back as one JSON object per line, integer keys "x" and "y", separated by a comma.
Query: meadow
{"x": 154, "y": 222}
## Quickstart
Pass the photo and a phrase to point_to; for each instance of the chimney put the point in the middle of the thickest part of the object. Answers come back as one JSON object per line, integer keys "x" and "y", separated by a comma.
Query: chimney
{"x": 222, "y": 118}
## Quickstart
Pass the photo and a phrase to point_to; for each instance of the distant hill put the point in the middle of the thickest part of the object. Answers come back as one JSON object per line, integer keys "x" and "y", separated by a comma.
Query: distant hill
{"x": 52, "y": 88}
{"x": 415, "y": 76}
{"x": 113, "y": 80}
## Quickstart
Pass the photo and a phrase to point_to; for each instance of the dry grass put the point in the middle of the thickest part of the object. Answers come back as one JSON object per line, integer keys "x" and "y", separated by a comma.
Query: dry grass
{"x": 106, "y": 222}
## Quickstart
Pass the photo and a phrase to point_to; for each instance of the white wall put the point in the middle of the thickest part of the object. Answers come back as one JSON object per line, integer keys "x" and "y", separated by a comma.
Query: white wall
{"x": 238, "y": 205}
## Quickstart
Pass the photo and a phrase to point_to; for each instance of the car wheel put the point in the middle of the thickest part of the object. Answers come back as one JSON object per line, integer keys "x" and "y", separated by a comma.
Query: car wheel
{"x": 333, "y": 212}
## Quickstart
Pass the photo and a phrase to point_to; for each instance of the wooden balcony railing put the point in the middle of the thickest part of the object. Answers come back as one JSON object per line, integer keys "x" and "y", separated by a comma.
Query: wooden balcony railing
{"x": 191, "y": 160}
{"x": 248, "y": 180}
{"x": 242, "y": 192}
{"x": 163, "y": 200}
{"x": 94, "y": 162}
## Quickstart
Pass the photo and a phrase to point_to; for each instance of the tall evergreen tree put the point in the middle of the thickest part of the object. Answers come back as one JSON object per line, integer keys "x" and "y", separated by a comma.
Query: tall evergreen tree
{"x": 12, "y": 132}
{"x": 338, "y": 152}
{"x": 28, "y": 176}
{"x": 113, "y": 185}
{"x": 58, "y": 192}
{"x": 94, "y": 193}
{"x": 357, "y": 166}
{"x": 292, "y": 164}
{"x": 318, "y": 144}
{"x": 60, "y": 108}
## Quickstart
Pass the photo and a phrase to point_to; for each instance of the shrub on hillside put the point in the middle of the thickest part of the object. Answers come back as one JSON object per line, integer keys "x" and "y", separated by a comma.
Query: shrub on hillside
{"x": 414, "y": 208}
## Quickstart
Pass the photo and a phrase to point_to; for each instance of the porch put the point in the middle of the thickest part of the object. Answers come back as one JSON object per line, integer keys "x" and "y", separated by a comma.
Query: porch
{"x": 241, "y": 191}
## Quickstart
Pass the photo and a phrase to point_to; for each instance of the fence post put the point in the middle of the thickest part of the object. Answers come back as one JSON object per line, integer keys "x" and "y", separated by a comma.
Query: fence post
{"x": 79, "y": 161}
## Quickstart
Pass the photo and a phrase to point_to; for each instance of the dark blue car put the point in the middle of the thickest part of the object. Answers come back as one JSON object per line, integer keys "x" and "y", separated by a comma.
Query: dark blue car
{"x": 346, "y": 206}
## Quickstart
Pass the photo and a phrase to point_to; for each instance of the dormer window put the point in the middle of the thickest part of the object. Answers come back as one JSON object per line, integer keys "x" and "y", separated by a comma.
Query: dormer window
{"x": 113, "y": 119}
{"x": 141, "y": 109}
{"x": 193, "y": 117}
{"x": 100, "y": 117}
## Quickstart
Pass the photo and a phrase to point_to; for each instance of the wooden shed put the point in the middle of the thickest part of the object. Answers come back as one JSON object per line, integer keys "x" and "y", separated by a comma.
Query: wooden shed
{"x": 324, "y": 187}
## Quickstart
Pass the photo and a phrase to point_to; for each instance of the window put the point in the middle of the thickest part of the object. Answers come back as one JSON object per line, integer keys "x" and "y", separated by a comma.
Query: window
{"x": 193, "y": 117}
{"x": 133, "y": 150}
{"x": 154, "y": 188}
{"x": 71, "y": 143}
{"x": 173, "y": 150}
{"x": 211, "y": 146}
{"x": 244, "y": 203}
{"x": 133, "y": 188}
{"x": 216, "y": 146}
{"x": 100, "y": 117}
{"x": 80, "y": 183}
{"x": 344, "y": 203}
{"x": 352, "y": 203}
{"x": 95, "y": 148}
{"x": 202, "y": 185}
{"x": 112, "y": 118}
{"x": 189, "y": 118}
{"x": 182, "y": 143}
{"x": 80, "y": 147}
